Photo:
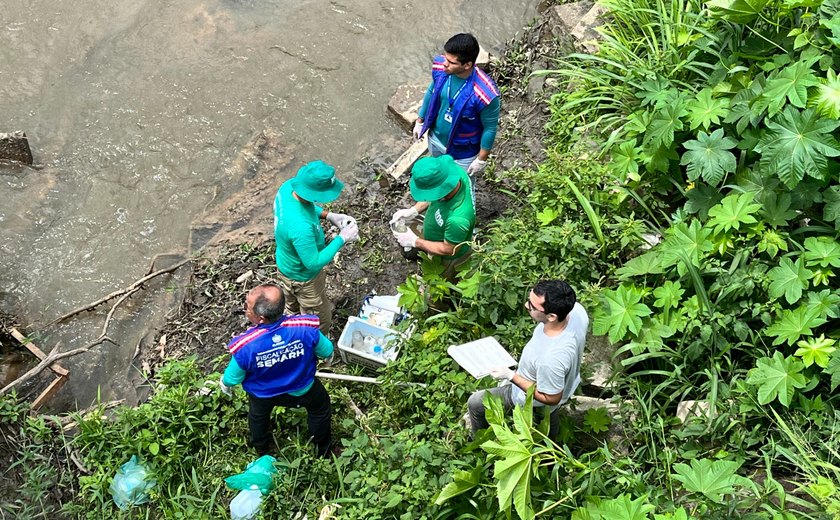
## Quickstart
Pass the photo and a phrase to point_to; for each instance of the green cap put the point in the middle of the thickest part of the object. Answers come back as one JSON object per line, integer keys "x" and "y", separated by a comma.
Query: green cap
{"x": 316, "y": 182}
{"x": 432, "y": 178}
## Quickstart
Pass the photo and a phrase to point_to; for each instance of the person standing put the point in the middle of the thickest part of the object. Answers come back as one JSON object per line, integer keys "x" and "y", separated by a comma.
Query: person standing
{"x": 301, "y": 249}
{"x": 275, "y": 362}
{"x": 444, "y": 194}
{"x": 550, "y": 360}
{"x": 460, "y": 110}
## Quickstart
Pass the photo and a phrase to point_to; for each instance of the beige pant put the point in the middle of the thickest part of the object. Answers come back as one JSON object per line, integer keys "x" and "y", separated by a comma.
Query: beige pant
{"x": 308, "y": 297}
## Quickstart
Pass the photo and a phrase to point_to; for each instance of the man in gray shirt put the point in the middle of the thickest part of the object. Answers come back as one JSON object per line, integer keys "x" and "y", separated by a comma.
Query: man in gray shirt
{"x": 550, "y": 360}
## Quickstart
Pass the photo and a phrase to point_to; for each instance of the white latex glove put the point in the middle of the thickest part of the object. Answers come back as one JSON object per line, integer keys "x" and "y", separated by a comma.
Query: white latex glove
{"x": 407, "y": 238}
{"x": 340, "y": 220}
{"x": 225, "y": 388}
{"x": 405, "y": 215}
{"x": 350, "y": 232}
{"x": 477, "y": 166}
{"x": 499, "y": 373}
{"x": 418, "y": 127}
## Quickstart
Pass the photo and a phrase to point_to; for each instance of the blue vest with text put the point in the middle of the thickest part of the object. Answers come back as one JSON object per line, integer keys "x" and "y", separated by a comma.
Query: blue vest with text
{"x": 278, "y": 357}
{"x": 479, "y": 91}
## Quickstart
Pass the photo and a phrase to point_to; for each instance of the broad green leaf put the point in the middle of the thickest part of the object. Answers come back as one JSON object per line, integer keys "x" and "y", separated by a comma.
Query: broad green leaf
{"x": 622, "y": 312}
{"x": 733, "y": 211}
{"x": 777, "y": 378}
{"x": 791, "y": 84}
{"x": 822, "y": 252}
{"x": 462, "y": 481}
{"x": 679, "y": 514}
{"x": 741, "y": 108}
{"x": 795, "y": 323}
{"x": 776, "y": 209}
{"x": 704, "y": 110}
{"x": 815, "y": 351}
{"x": 797, "y": 143}
{"x": 547, "y": 215}
{"x": 788, "y": 279}
{"x": 668, "y": 295}
{"x": 712, "y": 479}
{"x": 666, "y": 120}
{"x": 656, "y": 91}
{"x": 709, "y": 157}
{"x": 512, "y": 470}
{"x": 833, "y": 369}
{"x": 831, "y": 211}
{"x": 622, "y": 507}
{"x": 625, "y": 160}
{"x": 826, "y": 99}
{"x": 470, "y": 285}
{"x": 738, "y": 11}
{"x": 685, "y": 241}
{"x": 825, "y": 304}
{"x": 647, "y": 263}
{"x": 658, "y": 159}
{"x": 597, "y": 419}
{"x": 701, "y": 198}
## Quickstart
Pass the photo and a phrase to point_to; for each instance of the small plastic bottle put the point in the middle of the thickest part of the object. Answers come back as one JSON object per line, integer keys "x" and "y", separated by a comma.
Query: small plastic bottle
{"x": 246, "y": 504}
{"x": 358, "y": 340}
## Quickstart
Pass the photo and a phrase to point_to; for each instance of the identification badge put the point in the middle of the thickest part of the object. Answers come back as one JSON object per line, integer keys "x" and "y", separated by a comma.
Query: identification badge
{"x": 447, "y": 117}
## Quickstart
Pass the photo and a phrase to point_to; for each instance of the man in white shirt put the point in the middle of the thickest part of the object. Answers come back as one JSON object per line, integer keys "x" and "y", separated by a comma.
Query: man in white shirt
{"x": 550, "y": 360}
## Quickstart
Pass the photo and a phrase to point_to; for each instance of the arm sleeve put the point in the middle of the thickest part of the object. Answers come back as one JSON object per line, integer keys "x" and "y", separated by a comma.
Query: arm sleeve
{"x": 426, "y": 100}
{"x": 489, "y": 116}
{"x": 309, "y": 255}
{"x": 324, "y": 348}
{"x": 233, "y": 374}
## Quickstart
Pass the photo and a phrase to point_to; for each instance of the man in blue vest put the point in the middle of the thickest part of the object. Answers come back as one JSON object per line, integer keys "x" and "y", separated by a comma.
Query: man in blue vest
{"x": 460, "y": 110}
{"x": 275, "y": 362}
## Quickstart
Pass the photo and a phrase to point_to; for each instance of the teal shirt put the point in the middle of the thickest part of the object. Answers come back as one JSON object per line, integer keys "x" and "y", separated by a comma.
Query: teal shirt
{"x": 234, "y": 374}
{"x": 301, "y": 250}
{"x": 489, "y": 115}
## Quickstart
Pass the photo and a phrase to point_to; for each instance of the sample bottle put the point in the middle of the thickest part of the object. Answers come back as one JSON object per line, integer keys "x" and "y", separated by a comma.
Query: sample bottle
{"x": 400, "y": 227}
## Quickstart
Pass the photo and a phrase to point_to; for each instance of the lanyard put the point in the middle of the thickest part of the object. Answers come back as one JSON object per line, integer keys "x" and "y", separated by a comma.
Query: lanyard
{"x": 449, "y": 91}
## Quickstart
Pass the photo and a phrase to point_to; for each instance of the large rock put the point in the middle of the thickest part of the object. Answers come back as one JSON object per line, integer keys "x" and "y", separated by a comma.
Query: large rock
{"x": 577, "y": 21}
{"x": 406, "y": 102}
{"x": 598, "y": 361}
{"x": 15, "y": 147}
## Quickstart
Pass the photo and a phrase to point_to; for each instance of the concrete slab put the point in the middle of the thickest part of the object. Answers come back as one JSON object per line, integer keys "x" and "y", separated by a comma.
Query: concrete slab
{"x": 406, "y": 102}
{"x": 584, "y": 32}
{"x": 408, "y": 158}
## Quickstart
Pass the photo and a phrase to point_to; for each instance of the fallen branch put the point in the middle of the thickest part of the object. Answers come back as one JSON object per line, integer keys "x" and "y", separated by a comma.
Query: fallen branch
{"x": 130, "y": 289}
{"x": 51, "y": 358}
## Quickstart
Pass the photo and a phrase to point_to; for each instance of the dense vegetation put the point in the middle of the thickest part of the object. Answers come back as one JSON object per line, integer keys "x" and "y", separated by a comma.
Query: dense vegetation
{"x": 691, "y": 196}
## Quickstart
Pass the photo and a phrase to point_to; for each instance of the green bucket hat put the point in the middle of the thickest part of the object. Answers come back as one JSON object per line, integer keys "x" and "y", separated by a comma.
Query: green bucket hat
{"x": 316, "y": 182}
{"x": 432, "y": 178}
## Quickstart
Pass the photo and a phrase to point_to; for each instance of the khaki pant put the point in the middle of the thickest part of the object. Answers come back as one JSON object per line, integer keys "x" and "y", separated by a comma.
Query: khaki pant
{"x": 308, "y": 297}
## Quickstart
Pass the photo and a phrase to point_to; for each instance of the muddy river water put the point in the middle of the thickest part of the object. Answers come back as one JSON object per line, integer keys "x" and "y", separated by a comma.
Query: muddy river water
{"x": 134, "y": 107}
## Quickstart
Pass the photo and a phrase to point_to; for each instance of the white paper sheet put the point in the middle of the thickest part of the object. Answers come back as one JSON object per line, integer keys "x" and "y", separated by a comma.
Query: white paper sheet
{"x": 479, "y": 356}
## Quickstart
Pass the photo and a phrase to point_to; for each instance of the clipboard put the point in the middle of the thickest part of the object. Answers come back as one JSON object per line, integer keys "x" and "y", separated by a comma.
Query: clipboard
{"x": 479, "y": 356}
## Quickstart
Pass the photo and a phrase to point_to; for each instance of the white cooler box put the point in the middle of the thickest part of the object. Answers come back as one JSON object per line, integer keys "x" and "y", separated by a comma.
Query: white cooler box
{"x": 388, "y": 339}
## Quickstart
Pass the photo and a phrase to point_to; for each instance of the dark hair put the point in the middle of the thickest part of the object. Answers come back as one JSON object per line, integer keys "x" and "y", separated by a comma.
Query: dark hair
{"x": 267, "y": 305}
{"x": 559, "y": 297}
{"x": 464, "y": 46}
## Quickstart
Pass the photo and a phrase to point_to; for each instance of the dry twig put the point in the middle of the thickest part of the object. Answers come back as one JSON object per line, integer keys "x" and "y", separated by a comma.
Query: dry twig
{"x": 130, "y": 290}
{"x": 51, "y": 358}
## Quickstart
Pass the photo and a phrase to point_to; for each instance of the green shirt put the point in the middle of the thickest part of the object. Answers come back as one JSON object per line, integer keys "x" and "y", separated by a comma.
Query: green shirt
{"x": 452, "y": 220}
{"x": 301, "y": 249}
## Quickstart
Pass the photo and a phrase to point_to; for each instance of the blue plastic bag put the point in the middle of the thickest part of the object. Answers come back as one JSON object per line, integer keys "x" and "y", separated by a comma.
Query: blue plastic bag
{"x": 258, "y": 473}
{"x": 131, "y": 484}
